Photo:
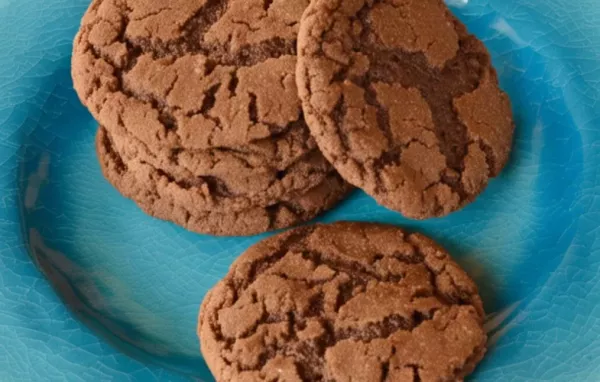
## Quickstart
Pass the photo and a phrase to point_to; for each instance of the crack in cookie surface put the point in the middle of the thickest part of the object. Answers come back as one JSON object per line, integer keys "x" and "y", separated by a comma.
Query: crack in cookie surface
{"x": 403, "y": 101}
{"x": 341, "y": 302}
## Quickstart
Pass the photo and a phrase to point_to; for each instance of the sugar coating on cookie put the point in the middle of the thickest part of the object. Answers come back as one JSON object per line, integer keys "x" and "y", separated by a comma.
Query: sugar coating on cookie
{"x": 343, "y": 302}
{"x": 190, "y": 205}
{"x": 403, "y": 101}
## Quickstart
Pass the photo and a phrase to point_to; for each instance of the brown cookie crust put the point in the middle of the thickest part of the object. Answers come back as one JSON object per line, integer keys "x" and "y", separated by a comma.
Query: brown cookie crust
{"x": 193, "y": 206}
{"x": 343, "y": 302}
{"x": 403, "y": 101}
{"x": 190, "y": 74}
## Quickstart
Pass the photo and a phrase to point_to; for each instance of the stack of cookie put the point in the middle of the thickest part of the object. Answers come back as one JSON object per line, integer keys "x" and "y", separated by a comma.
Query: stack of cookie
{"x": 201, "y": 121}
{"x": 236, "y": 117}
{"x": 204, "y": 120}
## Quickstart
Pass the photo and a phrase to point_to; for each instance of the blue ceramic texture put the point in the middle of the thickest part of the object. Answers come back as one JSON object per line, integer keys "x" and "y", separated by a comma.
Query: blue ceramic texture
{"x": 91, "y": 289}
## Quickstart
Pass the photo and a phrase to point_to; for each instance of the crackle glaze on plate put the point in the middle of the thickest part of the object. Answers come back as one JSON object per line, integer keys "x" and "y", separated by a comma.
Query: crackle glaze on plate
{"x": 135, "y": 284}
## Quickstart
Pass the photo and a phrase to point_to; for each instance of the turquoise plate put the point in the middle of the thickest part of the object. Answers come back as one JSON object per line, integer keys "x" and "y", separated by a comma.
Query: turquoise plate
{"x": 92, "y": 289}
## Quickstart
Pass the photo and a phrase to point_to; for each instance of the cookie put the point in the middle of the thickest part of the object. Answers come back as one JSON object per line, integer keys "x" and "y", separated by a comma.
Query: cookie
{"x": 343, "y": 302}
{"x": 190, "y": 74}
{"x": 403, "y": 101}
{"x": 186, "y": 201}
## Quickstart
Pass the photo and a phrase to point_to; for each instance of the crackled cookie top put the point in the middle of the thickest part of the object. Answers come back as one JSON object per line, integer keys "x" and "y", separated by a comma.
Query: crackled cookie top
{"x": 343, "y": 302}
{"x": 403, "y": 101}
{"x": 190, "y": 202}
{"x": 190, "y": 74}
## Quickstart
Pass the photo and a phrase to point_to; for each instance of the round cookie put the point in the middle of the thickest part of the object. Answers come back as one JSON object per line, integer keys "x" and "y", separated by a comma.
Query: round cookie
{"x": 403, "y": 101}
{"x": 161, "y": 196}
{"x": 343, "y": 302}
{"x": 190, "y": 74}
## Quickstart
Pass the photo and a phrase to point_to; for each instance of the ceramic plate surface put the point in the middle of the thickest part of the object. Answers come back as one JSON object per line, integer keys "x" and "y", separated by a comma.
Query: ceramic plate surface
{"x": 92, "y": 289}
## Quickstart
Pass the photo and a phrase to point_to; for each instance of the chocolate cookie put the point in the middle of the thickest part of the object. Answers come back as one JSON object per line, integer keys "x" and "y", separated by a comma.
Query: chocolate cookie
{"x": 343, "y": 302}
{"x": 403, "y": 101}
{"x": 191, "y": 203}
{"x": 190, "y": 74}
